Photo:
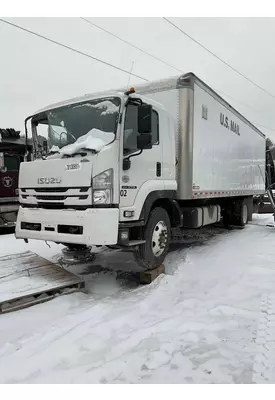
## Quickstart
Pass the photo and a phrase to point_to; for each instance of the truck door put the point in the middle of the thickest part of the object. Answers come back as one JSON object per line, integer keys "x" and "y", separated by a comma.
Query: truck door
{"x": 145, "y": 173}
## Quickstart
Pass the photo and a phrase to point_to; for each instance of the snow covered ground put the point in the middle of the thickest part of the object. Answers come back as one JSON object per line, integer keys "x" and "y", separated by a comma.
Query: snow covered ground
{"x": 210, "y": 319}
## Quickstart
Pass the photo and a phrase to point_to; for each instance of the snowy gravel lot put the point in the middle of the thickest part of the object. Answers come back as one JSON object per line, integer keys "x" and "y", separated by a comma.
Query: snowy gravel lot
{"x": 210, "y": 319}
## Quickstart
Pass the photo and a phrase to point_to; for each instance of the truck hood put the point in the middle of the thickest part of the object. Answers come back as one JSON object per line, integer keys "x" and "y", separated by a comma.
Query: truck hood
{"x": 62, "y": 172}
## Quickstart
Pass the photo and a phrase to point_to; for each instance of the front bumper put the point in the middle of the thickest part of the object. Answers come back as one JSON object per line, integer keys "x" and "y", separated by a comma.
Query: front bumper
{"x": 99, "y": 226}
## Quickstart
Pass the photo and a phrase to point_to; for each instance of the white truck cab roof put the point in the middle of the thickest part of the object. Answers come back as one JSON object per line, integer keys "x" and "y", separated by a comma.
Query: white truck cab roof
{"x": 92, "y": 96}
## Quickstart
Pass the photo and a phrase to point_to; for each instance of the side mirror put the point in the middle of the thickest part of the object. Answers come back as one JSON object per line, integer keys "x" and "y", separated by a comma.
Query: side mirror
{"x": 144, "y": 142}
{"x": 144, "y": 118}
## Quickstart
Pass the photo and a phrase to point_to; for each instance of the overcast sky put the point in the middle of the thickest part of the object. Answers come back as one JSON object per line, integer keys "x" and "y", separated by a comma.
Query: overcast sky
{"x": 35, "y": 73}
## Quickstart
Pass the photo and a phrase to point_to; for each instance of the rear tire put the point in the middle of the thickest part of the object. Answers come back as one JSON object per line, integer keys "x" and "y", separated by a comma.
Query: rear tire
{"x": 241, "y": 213}
{"x": 157, "y": 234}
{"x": 236, "y": 214}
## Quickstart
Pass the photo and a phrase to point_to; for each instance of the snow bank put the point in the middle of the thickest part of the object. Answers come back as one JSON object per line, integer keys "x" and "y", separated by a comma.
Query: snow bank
{"x": 210, "y": 319}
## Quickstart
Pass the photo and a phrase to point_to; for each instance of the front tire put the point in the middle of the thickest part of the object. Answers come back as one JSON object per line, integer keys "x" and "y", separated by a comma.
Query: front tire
{"x": 157, "y": 234}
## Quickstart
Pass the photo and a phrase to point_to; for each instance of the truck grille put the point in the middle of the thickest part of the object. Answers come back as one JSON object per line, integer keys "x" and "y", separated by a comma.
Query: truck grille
{"x": 49, "y": 198}
{"x": 56, "y": 198}
{"x": 55, "y": 190}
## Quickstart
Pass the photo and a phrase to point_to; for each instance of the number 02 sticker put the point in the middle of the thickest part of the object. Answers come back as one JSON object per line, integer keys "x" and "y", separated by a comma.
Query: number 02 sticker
{"x": 123, "y": 193}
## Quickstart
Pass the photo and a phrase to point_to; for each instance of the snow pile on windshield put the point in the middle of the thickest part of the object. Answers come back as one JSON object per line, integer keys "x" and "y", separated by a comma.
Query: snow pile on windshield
{"x": 95, "y": 139}
{"x": 107, "y": 106}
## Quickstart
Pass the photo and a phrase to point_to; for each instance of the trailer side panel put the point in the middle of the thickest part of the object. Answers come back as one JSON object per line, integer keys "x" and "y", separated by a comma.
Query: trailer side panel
{"x": 228, "y": 154}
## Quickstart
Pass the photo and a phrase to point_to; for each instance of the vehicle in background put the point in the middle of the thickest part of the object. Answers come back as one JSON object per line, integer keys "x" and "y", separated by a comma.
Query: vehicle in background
{"x": 12, "y": 153}
{"x": 264, "y": 203}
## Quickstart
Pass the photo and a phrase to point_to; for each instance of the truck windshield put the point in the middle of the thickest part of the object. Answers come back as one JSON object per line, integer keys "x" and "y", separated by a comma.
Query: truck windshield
{"x": 84, "y": 125}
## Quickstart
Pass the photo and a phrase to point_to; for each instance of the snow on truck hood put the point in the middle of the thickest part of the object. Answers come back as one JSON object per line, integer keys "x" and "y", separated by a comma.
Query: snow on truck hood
{"x": 95, "y": 140}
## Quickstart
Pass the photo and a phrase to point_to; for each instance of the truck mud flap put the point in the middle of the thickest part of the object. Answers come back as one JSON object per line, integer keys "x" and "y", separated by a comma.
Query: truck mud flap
{"x": 27, "y": 279}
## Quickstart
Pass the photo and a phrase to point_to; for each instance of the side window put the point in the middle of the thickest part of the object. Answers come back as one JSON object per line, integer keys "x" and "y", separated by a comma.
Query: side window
{"x": 11, "y": 162}
{"x": 131, "y": 129}
{"x": 155, "y": 128}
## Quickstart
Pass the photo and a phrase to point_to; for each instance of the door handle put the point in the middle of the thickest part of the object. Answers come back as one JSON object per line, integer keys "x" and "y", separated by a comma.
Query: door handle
{"x": 158, "y": 169}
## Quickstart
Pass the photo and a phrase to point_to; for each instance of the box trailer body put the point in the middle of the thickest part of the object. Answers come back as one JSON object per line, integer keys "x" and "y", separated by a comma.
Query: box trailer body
{"x": 126, "y": 168}
{"x": 218, "y": 151}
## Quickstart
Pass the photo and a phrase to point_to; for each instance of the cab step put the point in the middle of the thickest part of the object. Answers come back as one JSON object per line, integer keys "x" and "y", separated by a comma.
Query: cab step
{"x": 136, "y": 242}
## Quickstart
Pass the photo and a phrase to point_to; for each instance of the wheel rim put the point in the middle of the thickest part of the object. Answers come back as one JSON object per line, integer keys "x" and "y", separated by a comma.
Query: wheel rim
{"x": 159, "y": 238}
{"x": 245, "y": 214}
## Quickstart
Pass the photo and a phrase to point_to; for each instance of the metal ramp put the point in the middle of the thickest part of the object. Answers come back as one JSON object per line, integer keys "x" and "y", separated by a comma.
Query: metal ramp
{"x": 27, "y": 279}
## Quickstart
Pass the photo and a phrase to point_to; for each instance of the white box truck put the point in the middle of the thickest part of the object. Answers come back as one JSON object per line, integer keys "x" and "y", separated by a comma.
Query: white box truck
{"x": 125, "y": 169}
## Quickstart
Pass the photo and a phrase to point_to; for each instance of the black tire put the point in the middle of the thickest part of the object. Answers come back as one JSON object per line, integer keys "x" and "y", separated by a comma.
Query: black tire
{"x": 75, "y": 247}
{"x": 144, "y": 254}
{"x": 241, "y": 213}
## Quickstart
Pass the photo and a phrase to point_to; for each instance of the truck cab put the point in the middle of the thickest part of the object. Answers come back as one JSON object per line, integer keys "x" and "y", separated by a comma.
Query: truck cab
{"x": 104, "y": 162}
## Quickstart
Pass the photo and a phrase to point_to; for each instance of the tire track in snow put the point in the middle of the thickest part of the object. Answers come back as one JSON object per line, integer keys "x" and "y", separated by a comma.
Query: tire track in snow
{"x": 264, "y": 363}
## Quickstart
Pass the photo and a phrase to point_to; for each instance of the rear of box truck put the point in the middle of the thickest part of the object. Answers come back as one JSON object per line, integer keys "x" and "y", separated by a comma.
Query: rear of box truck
{"x": 219, "y": 153}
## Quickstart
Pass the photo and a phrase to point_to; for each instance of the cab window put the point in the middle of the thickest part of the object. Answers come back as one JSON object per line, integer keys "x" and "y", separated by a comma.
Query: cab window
{"x": 11, "y": 162}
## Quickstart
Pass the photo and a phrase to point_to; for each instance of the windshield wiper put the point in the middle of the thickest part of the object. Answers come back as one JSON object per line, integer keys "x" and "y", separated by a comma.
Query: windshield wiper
{"x": 51, "y": 153}
{"x": 78, "y": 153}
{"x": 81, "y": 153}
{"x": 92, "y": 150}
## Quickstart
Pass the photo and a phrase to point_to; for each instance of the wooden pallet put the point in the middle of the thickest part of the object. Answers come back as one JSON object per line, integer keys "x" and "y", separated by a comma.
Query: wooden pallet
{"x": 27, "y": 279}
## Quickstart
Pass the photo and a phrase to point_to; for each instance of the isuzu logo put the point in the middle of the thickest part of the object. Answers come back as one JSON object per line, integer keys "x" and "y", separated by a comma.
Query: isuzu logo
{"x": 48, "y": 181}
